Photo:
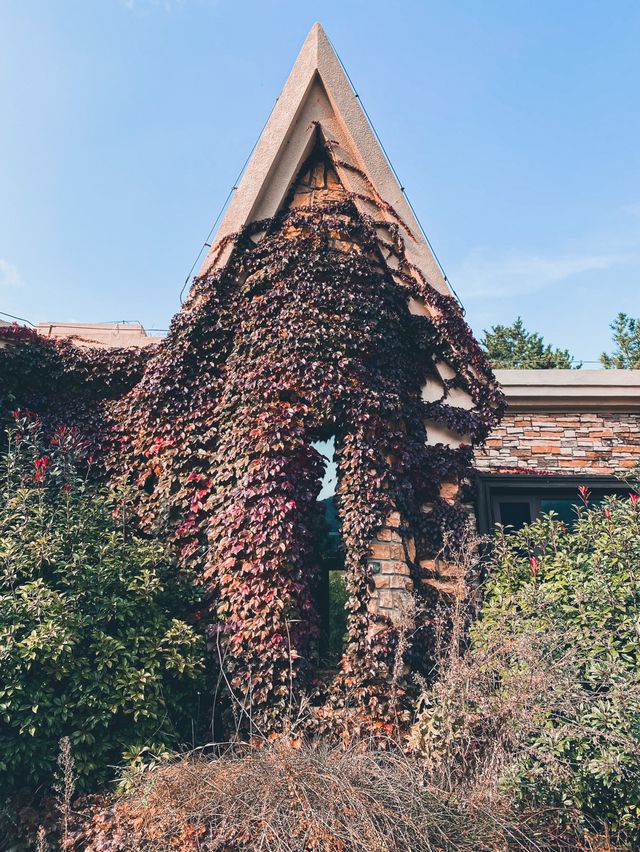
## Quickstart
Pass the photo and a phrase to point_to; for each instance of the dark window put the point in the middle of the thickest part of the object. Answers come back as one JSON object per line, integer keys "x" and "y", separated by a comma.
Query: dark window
{"x": 515, "y": 500}
{"x": 514, "y": 513}
{"x": 332, "y": 550}
{"x": 565, "y": 508}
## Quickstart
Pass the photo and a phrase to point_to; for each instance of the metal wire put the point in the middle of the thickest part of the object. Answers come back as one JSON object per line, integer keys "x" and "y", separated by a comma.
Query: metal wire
{"x": 165, "y": 330}
{"x": 207, "y": 242}
{"x": 397, "y": 177}
{"x": 91, "y": 327}
{"x": 19, "y": 319}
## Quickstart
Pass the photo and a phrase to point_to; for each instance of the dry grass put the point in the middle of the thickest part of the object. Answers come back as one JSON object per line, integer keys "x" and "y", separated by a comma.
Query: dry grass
{"x": 479, "y": 715}
{"x": 288, "y": 798}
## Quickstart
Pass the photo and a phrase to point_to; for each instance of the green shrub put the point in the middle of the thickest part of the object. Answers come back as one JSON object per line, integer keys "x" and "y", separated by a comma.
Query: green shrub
{"x": 338, "y": 598}
{"x": 545, "y": 705}
{"x": 92, "y": 645}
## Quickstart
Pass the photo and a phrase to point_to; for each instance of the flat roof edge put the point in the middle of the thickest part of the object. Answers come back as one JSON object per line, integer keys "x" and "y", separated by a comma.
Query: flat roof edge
{"x": 569, "y": 378}
{"x": 571, "y": 390}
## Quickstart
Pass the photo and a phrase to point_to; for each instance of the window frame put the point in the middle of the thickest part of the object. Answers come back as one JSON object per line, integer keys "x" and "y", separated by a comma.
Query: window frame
{"x": 492, "y": 488}
{"x": 533, "y": 502}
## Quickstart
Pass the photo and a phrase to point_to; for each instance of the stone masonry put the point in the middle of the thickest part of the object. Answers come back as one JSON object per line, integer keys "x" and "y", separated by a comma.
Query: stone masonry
{"x": 388, "y": 562}
{"x": 596, "y": 443}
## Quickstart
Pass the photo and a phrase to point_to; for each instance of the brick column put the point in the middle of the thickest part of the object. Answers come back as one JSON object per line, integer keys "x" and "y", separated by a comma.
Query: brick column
{"x": 389, "y": 561}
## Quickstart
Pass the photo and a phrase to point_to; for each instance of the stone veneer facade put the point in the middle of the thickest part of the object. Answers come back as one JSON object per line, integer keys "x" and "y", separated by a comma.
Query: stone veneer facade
{"x": 562, "y": 428}
{"x": 558, "y": 423}
{"x": 597, "y": 443}
{"x": 390, "y": 570}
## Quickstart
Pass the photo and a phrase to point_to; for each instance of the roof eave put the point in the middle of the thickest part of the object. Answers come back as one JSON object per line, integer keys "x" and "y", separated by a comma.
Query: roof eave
{"x": 571, "y": 390}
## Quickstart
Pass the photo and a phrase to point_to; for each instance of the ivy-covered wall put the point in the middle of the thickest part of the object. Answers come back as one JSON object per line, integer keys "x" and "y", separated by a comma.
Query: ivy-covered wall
{"x": 317, "y": 326}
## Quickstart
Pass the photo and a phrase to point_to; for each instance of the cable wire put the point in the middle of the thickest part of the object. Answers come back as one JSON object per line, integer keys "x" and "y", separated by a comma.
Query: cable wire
{"x": 81, "y": 326}
{"x": 397, "y": 177}
{"x": 165, "y": 330}
{"x": 19, "y": 319}
{"x": 207, "y": 242}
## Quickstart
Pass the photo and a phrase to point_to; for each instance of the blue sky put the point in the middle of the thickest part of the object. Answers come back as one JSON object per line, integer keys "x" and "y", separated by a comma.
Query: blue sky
{"x": 514, "y": 125}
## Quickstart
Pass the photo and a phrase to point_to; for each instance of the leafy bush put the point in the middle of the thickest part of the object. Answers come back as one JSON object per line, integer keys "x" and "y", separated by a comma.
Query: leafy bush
{"x": 338, "y": 598}
{"x": 91, "y": 643}
{"x": 545, "y": 706}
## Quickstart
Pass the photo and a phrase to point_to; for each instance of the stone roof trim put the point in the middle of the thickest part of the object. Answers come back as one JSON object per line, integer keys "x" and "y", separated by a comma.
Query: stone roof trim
{"x": 102, "y": 335}
{"x": 318, "y": 94}
{"x": 570, "y": 390}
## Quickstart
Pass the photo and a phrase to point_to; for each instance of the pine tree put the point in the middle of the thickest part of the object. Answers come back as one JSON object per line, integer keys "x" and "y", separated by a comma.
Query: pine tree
{"x": 626, "y": 336}
{"x": 513, "y": 347}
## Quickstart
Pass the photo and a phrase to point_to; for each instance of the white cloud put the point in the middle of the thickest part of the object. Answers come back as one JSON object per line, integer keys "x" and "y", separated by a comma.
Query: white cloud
{"x": 142, "y": 6}
{"x": 501, "y": 273}
{"x": 483, "y": 274}
{"x": 632, "y": 209}
{"x": 9, "y": 275}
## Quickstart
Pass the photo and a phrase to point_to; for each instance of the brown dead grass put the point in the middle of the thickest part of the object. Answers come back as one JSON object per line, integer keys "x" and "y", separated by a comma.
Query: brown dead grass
{"x": 288, "y": 798}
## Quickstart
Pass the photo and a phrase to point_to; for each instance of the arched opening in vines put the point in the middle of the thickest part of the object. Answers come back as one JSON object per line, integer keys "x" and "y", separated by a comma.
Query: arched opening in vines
{"x": 330, "y": 553}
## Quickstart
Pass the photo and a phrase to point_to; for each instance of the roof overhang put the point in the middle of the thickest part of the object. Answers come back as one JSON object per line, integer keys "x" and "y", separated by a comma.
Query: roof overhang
{"x": 570, "y": 390}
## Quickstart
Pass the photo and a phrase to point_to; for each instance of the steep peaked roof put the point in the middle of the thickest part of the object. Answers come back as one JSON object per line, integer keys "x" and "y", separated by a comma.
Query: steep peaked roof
{"x": 319, "y": 96}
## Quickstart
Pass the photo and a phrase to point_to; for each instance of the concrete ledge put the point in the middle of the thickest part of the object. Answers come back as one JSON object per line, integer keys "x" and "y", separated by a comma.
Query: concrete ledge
{"x": 571, "y": 390}
{"x": 101, "y": 335}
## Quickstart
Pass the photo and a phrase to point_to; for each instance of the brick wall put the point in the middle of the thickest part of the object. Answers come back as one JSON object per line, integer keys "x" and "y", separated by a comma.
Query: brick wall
{"x": 390, "y": 557}
{"x": 581, "y": 442}
{"x": 389, "y": 560}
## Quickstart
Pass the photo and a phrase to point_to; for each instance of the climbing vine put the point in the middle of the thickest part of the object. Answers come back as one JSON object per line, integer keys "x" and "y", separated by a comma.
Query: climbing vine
{"x": 305, "y": 332}
{"x": 65, "y": 384}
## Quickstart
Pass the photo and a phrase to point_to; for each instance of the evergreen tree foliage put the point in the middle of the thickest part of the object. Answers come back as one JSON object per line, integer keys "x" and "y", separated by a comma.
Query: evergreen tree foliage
{"x": 512, "y": 347}
{"x": 626, "y": 336}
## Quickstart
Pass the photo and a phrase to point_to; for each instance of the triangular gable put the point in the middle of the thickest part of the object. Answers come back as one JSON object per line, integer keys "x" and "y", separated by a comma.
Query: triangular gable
{"x": 318, "y": 95}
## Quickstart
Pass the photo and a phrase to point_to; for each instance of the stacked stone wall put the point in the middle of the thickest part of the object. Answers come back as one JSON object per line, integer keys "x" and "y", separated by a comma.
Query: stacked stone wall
{"x": 592, "y": 443}
{"x": 390, "y": 556}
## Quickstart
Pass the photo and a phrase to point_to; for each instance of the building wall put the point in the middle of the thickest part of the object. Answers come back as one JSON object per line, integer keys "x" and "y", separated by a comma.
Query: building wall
{"x": 594, "y": 443}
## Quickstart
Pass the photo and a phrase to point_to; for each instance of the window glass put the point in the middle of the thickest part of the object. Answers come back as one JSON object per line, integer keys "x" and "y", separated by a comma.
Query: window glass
{"x": 565, "y": 509}
{"x": 516, "y": 507}
{"x": 329, "y": 542}
{"x": 515, "y": 514}
{"x": 332, "y": 593}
